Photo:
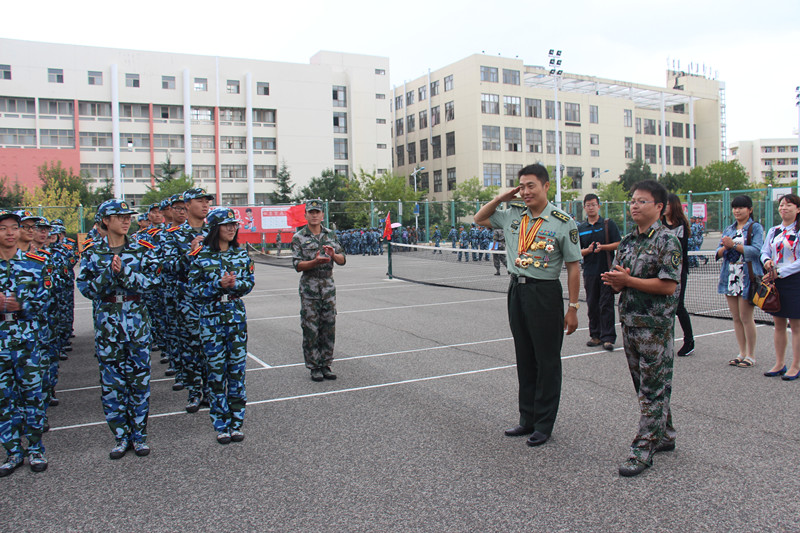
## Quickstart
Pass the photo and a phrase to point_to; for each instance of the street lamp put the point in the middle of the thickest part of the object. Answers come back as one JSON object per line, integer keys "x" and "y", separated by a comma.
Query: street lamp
{"x": 556, "y": 72}
{"x": 596, "y": 175}
{"x": 416, "y": 211}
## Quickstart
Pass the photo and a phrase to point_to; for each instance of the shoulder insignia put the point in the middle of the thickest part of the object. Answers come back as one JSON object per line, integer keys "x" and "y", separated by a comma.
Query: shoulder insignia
{"x": 147, "y": 244}
{"x": 517, "y": 203}
{"x": 573, "y": 236}
{"x": 32, "y": 255}
{"x": 650, "y": 233}
{"x": 46, "y": 252}
{"x": 153, "y": 231}
{"x": 196, "y": 251}
{"x": 88, "y": 243}
{"x": 71, "y": 240}
{"x": 563, "y": 217}
{"x": 173, "y": 228}
{"x": 676, "y": 259}
{"x": 68, "y": 246}
{"x": 252, "y": 268}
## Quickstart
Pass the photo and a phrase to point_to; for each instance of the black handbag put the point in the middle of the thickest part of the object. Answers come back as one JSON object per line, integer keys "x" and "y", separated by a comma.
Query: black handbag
{"x": 755, "y": 281}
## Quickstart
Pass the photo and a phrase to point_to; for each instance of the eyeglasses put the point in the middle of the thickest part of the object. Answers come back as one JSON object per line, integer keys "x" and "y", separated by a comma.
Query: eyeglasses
{"x": 179, "y": 209}
{"x": 640, "y": 202}
{"x": 28, "y": 227}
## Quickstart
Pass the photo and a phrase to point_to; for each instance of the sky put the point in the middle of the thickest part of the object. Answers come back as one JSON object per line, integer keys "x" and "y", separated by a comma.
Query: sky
{"x": 753, "y": 45}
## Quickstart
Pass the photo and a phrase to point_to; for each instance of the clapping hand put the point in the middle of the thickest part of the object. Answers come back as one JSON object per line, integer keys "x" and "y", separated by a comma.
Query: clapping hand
{"x": 116, "y": 264}
{"x": 228, "y": 280}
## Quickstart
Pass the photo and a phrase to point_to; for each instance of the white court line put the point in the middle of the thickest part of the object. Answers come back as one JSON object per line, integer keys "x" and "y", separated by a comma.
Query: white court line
{"x": 257, "y": 360}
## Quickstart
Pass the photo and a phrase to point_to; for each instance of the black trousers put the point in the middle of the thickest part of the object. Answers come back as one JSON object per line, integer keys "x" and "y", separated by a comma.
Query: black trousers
{"x": 536, "y": 317}
{"x": 600, "y": 308}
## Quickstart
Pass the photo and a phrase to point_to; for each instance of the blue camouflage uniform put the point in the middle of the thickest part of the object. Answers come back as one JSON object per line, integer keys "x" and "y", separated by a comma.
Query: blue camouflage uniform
{"x": 463, "y": 243}
{"x": 437, "y": 238}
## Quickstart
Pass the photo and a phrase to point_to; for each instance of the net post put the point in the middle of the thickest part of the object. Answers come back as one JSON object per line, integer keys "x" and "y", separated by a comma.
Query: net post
{"x": 389, "y": 256}
{"x": 453, "y": 213}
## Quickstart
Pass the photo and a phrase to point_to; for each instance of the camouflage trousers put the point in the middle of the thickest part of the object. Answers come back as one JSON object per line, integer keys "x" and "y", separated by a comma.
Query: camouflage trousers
{"x": 125, "y": 385}
{"x": 650, "y": 357}
{"x": 193, "y": 359}
{"x": 225, "y": 346}
{"x": 318, "y": 321}
{"x": 49, "y": 352}
{"x": 158, "y": 318}
{"x": 173, "y": 345}
{"x": 21, "y": 402}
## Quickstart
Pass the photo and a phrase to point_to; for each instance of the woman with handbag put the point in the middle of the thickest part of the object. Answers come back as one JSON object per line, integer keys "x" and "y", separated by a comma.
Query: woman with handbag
{"x": 781, "y": 258}
{"x": 676, "y": 221}
{"x": 740, "y": 250}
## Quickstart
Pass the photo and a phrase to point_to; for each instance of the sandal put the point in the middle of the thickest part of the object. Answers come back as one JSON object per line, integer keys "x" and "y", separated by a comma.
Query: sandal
{"x": 747, "y": 363}
{"x": 735, "y": 361}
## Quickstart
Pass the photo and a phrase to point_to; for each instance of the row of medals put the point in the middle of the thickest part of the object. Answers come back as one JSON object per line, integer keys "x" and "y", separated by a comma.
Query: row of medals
{"x": 525, "y": 260}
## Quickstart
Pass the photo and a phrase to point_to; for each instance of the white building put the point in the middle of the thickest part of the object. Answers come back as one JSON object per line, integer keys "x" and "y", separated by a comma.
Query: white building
{"x": 763, "y": 158}
{"x": 230, "y": 123}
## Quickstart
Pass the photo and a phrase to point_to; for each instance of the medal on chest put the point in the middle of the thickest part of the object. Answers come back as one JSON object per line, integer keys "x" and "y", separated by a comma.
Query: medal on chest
{"x": 528, "y": 243}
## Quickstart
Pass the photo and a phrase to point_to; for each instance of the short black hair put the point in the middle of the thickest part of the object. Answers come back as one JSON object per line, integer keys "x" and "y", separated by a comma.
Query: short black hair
{"x": 742, "y": 201}
{"x": 589, "y": 197}
{"x": 536, "y": 170}
{"x": 658, "y": 191}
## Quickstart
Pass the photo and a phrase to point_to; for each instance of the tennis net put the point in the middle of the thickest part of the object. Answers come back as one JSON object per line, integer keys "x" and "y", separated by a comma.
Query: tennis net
{"x": 441, "y": 266}
{"x": 284, "y": 259}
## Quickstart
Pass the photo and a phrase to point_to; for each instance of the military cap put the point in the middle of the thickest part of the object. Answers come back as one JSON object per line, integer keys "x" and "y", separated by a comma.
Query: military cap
{"x": 57, "y": 229}
{"x": 4, "y": 214}
{"x": 175, "y": 198}
{"x": 221, "y": 215}
{"x": 57, "y": 222}
{"x": 24, "y": 214}
{"x": 314, "y": 205}
{"x": 43, "y": 223}
{"x": 114, "y": 207}
{"x": 156, "y": 206}
{"x": 195, "y": 193}
{"x": 142, "y": 217}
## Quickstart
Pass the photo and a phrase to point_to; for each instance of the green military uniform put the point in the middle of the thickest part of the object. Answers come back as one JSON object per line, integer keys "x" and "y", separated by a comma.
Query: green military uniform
{"x": 536, "y": 307}
{"x": 647, "y": 332}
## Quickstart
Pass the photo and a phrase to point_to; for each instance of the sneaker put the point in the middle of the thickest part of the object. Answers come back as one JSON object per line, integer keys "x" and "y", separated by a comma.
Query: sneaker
{"x": 38, "y": 462}
{"x": 665, "y": 446}
{"x": 608, "y": 346}
{"x": 223, "y": 437}
{"x": 327, "y": 374}
{"x": 118, "y": 451}
{"x": 12, "y": 463}
{"x": 594, "y": 342}
{"x": 686, "y": 349}
{"x": 194, "y": 405}
{"x": 141, "y": 448}
{"x": 237, "y": 435}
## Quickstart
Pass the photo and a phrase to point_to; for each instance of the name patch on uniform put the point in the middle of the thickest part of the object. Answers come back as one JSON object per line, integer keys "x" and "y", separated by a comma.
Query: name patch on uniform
{"x": 560, "y": 216}
{"x": 515, "y": 224}
{"x": 573, "y": 236}
{"x": 676, "y": 259}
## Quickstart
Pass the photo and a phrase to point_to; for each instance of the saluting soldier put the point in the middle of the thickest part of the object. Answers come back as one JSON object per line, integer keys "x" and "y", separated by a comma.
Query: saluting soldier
{"x": 314, "y": 252}
{"x": 539, "y": 239}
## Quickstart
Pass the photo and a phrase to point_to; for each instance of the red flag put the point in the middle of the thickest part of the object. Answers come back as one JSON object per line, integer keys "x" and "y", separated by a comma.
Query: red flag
{"x": 296, "y": 216}
{"x": 387, "y": 230}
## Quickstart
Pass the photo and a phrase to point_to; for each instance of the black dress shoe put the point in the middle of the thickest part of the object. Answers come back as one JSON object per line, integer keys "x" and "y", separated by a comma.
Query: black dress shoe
{"x": 537, "y": 439}
{"x": 518, "y": 431}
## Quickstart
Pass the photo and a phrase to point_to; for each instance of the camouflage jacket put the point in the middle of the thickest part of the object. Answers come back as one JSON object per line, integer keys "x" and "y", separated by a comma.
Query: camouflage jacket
{"x": 25, "y": 276}
{"x": 317, "y": 283}
{"x": 217, "y": 305}
{"x": 654, "y": 254}
{"x": 176, "y": 249}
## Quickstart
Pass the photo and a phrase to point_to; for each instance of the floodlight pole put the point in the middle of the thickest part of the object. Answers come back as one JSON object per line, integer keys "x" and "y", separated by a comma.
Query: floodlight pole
{"x": 416, "y": 211}
{"x": 555, "y": 71}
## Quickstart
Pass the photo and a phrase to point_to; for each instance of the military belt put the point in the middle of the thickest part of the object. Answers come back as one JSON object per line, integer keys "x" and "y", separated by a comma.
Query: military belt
{"x": 320, "y": 274}
{"x": 11, "y": 317}
{"x": 525, "y": 279}
{"x": 227, "y": 298}
{"x": 119, "y": 298}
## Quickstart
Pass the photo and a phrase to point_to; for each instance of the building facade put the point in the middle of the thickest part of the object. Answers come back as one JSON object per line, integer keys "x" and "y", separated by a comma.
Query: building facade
{"x": 489, "y": 116}
{"x": 117, "y": 115}
{"x": 768, "y": 159}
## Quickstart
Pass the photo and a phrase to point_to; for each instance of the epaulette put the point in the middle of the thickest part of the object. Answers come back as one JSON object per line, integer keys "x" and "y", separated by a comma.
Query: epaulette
{"x": 73, "y": 241}
{"x": 88, "y": 243}
{"x": 196, "y": 251}
{"x": 153, "y": 231}
{"x": 517, "y": 203}
{"x": 174, "y": 228}
{"x": 32, "y": 255}
{"x": 48, "y": 252}
{"x": 147, "y": 244}
{"x": 563, "y": 217}
{"x": 68, "y": 247}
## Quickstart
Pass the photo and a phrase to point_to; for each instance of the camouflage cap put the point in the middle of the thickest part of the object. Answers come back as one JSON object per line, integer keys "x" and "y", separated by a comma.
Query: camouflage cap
{"x": 43, "y": 223}
{"x": 195, "y": 193}
{"x": 157, "y": 205}
{"x": 57, "y": 229}
{"x": 57, "y": 222}
{"x": 114, "y": 207}
{"x": 24, "y": 214}
{"x": 221, "y": 215}
{"x": 314, "y": 205}
{"x": 4, "y": 214}
{"x": 142, "y": 217}
{"x": 175, "y": 198}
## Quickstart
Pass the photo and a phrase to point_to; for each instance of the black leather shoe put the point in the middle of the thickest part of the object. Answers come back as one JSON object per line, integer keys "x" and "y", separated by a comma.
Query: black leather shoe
{"x": 537, "y": 439}
{"x": 327, "y": 374}
{"x": 193, "y": 406}
{"x": 518, "y": 431}
{"x": 177, "y": 386}
{"x": 54, "y": 401}
{"x": 316, "y": 375}
{"x": 632, "y": 467}
{"x": 170, "y": 372}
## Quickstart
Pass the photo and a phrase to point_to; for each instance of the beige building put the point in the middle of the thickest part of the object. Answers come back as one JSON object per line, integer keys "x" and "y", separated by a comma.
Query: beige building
{"x": 230, "y": 123}
{"x": 763, "y": 158}
{"x": 489, "y": 116}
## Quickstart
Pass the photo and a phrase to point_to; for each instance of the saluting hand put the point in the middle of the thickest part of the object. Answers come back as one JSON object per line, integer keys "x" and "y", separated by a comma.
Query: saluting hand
{"x": 116, "y": 264}
{"x": 510, "y": 194}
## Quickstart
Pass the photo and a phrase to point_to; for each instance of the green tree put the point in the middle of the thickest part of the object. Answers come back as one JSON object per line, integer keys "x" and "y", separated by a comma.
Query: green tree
{"x": 55, "y": 177}
{"x": 467, "y": 192}
{"x": 717, "y": 176}
{"x": 58, "y": 202}
{"x": 674, "y": 182}
{"x": 11, "y": 196}
{"x": 612, "y": 192}
{"x": 567, "y": 192}
{"x": 636, "y": 171}
{"x": 333, "y": 188}
{"x": 166, "y": 171}
{"x": 165, "y": 189}
{"x": 283, "y": 191}
{"x": 382, "y": 192}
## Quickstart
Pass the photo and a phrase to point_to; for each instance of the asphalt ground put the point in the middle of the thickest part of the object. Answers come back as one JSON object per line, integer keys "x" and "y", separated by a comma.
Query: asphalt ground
{"x": 410, "y": 437}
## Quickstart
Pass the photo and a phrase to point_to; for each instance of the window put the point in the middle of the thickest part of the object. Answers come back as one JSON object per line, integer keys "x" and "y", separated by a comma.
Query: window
{"x": 232, "y": 114}
{"x": 423, "y": 150}
{"x": 96, "y": 171}
{"x": 398, "y": 102}
{"x": 781, "y": 149}
{"x": 380, "y": 96}
{"x": 594, "y": 114}
{"x": 573, "y": 143}
{"x": 677, "y": 155}
{"x": 638, "y": 150}
{"x": 167, "y": 82}
{"x": 5, "y": 72}
{"x": 265, "y": 116}
{"x": 262, "y": 88}
{"x": 65, "y": 138}
{"x": 510, "y": 77}
{"x": 339, "y": 96}
{"x": 577, "y": 177}
{"x": 380, "y": 72}
{"x": 341, "y": 170}
{"x": 17, "y": 137}
{"x": 668, "y": 153}
{"x": 381, "y": 146}
{"x": 412, "y": 153}
{"x": 437, "y": 181}
{"x": 233, "y": 172}
{"x": 595, "y": 153}
{"x": 666, "y": 128}
{"x": 451, "y": 179}
{"x": 594, "y": 138}
{"x": 512, "y": 171}
{"x": 400, "y": 151}
{"x": 550, "y": 109}
{"x": 264, "y": 143}
{"x": 232, "y": 87}
{"x": 94, "y": 109}
{"x": 340, "y": 122}
{"x": 422, "y": 92}
{"x": 650, "y": 154}
{"x": 627, "y": 118}
{"x": 380, "y": 121}
{"x": 435, "y": 119}
{"x": 491, "y": 137}
{"x": 551, "y": 142}
{"x": 138, "y": 170}
{"x": 134, "y": 110}
{"x": 491, "y": 174}
{"x": 410, "y": 98}
{"x": 423, "y": 119}
{"x": 435, "y": 88}
{"x": 17, "y": 105}
{"x": 448, "y": 83}
{"x": 513, "y": 139}
{"x": 533, "y": 139}
{"x": 436, "y": 146}
{"x": 688, "y": 132}
{"x": 202, "y": 115}
{"x": 95, "y": 138}
{"x": 638, "y": 125}
{"x": 202, "y": 142}
{"x": 451, "y": 143}
{"x": 572, "y": 112}
{"x": 629, "y": 147}
{"x": 398, "y": 127}
{"x": 649, "y": 126}
{"x": 533, "y": 107}
{"x": 489, "y": 74}
{"x": 56, "y": 107}
{"x": 174, "y": 112}
{"x": 269, "y": 172}
{"x": 512, "y": 105}
{"x": 490, "y": 104}
{"x": 95, "y": 77}
{"x": 132, "y": 80}
{"x": 138, "y": 140}
{"x": 56, "y": 75}
{"x": 449, "y": 111}
{"x": 767, "y": 149}
{"x": 677, "y": 129}
{"x": 172, "y": 140}
{"x": 340, "y": 149}
{"x": 231, "y": 143}
{"x": 201, "y": 84}
{"x": 410, "y": 126}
